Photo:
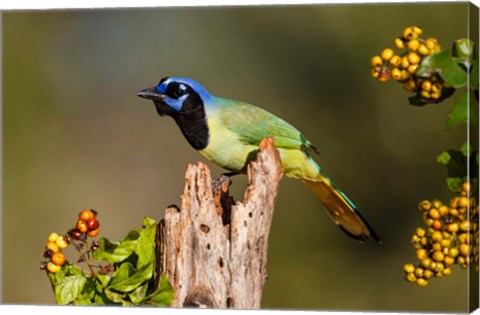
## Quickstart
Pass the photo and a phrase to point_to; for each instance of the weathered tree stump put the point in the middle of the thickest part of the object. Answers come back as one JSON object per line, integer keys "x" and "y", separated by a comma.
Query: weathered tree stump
{"x": 214, "y": 252}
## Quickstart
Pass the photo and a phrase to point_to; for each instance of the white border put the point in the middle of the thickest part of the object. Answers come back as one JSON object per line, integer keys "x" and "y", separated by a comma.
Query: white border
{"x": 87, "y": 4}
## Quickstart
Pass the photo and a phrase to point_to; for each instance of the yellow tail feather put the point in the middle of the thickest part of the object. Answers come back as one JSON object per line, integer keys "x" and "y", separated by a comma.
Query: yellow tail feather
{"x": 341, "y": 210}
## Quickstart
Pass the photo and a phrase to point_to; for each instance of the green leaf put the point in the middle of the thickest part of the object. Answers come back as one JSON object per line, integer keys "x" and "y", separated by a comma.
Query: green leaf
{"x": 454, "y": 184}
{"x": 465, "y": 149}
{"x": 163, "y": 296}
{"x": 133, "y": 281}
{"x": 138, "y": 295}
{"x": 69, "y": 289}
{"x": 116, "y": 297}
{"x": 444, "y": 158}
{"x": 124, "y": 271}
{"x": 474, "y": 75}
{"x": 146, "y": 243}
{"x": 114, "y": 252}
{"x": 463, "y": 48}
{"x": 444, "y": 65}
{"x": 463, "y": 111}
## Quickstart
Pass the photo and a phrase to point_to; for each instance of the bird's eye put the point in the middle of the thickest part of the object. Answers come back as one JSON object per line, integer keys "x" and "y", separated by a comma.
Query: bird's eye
{"x": 178, "y": 92}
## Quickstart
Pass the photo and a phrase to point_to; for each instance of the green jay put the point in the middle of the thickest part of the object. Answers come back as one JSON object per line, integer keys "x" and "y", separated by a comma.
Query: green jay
{"x": 228, "y": 132}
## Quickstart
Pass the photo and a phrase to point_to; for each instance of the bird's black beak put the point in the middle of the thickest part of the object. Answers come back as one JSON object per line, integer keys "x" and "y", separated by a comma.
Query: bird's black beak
{"x": 151, "y": 94}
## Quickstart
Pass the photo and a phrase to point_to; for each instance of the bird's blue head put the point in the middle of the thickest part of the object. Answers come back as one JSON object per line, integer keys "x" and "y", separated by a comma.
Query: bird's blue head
{"x": 174, "y": 96}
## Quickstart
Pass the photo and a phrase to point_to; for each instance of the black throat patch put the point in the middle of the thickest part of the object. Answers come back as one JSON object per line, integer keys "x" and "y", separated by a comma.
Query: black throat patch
{"x": 193, "y": 122}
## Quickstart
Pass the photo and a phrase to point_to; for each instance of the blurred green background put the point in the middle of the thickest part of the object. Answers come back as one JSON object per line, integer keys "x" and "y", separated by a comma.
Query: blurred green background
{"x": 76, "y": 136}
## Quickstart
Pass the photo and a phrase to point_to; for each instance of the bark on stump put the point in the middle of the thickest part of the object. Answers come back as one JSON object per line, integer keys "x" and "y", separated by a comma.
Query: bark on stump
{"x": 214, "y": 252}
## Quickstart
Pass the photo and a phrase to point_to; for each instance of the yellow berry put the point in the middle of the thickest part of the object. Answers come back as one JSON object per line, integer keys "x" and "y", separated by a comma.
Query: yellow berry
{"x": 465, "y": 225}
{"x": 397, "y": 74}
{"x": 420, "y": 232}
{"x": 453, "y": 227}
{"x": 426, "y": 262}
{"x": 465, "y": 249}
{"x": 424, "y": 205}
{"x": 409, "y": 268}
{"x": 413, "y": 44}
{"x": 417, "y": 30}
{"x": 375, "y": 62}
{"x": 438, "y": 256}
{"x": 426, "y": 85}
{"x": 396, "y": 60}
{"x": 53, "y": 268}
{"x": 413, "y": 58}
{"x": 409, "y": 33}
{"x": 399, "y": 43}
{"x": 386, "y": 54}
{"x": 422, "y": 254}
{"x": 428, "y": 274}
{"x": 405, "y": 62}
{"x": 463, "y": 202}
{"x": 422, "y": 282}
{"x": 409, "y": 85}
{"x": 437, "y": 236}
{"x": 436, "y": 246}
{"x": 449, "y": 260}
{"x": 423, "y": 50}
{"x": 466, "y": 187}
{"x": 434, "y": 213}
{"x": 431, "y": 43}
{"x": 437, "y": 203}
{"x": 425, "y": 94}
{"x": 412, "y": 68}
{"x": 447, "y": 271}
{"x": 419, "y": 272}
{"x": 436, "y": 87}
{"x": 52, "y": 246}
{"x": 61, "y": 242}
{"x": 445, "y": 243}
{"x": 53, "y": 237}
{"x": 411, "y": 277}
{"x": 454, "y": 202}
{"x": 453, "y": 252}
{"x": 443, "y": 209}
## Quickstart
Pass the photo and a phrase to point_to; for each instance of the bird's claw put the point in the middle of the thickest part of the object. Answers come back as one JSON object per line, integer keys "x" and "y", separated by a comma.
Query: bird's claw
{"x": 221, "y": 183}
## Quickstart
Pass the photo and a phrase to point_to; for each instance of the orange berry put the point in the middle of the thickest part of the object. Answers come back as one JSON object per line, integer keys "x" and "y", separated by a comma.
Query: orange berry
{"x": 58, "y": 259}
{"x": 437, "y": 225}
{"x": 86, "y": 214}
{"x": 93, "y": 233}
{"x": 81, "y": 226}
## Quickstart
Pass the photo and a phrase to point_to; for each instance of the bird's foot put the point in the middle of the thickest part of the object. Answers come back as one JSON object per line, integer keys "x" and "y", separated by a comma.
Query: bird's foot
{"x": 221, "y": 182}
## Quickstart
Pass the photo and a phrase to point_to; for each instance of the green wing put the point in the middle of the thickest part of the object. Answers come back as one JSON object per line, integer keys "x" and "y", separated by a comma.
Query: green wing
{"x": 253, "y": 124}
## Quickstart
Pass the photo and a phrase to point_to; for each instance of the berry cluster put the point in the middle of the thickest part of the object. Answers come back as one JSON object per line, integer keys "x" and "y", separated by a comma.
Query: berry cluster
{"x": 403, "y": 66}
{"x": 87, "y": 225}
{"x": 451, "y": 238}
{"x": 53, "y": 251}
